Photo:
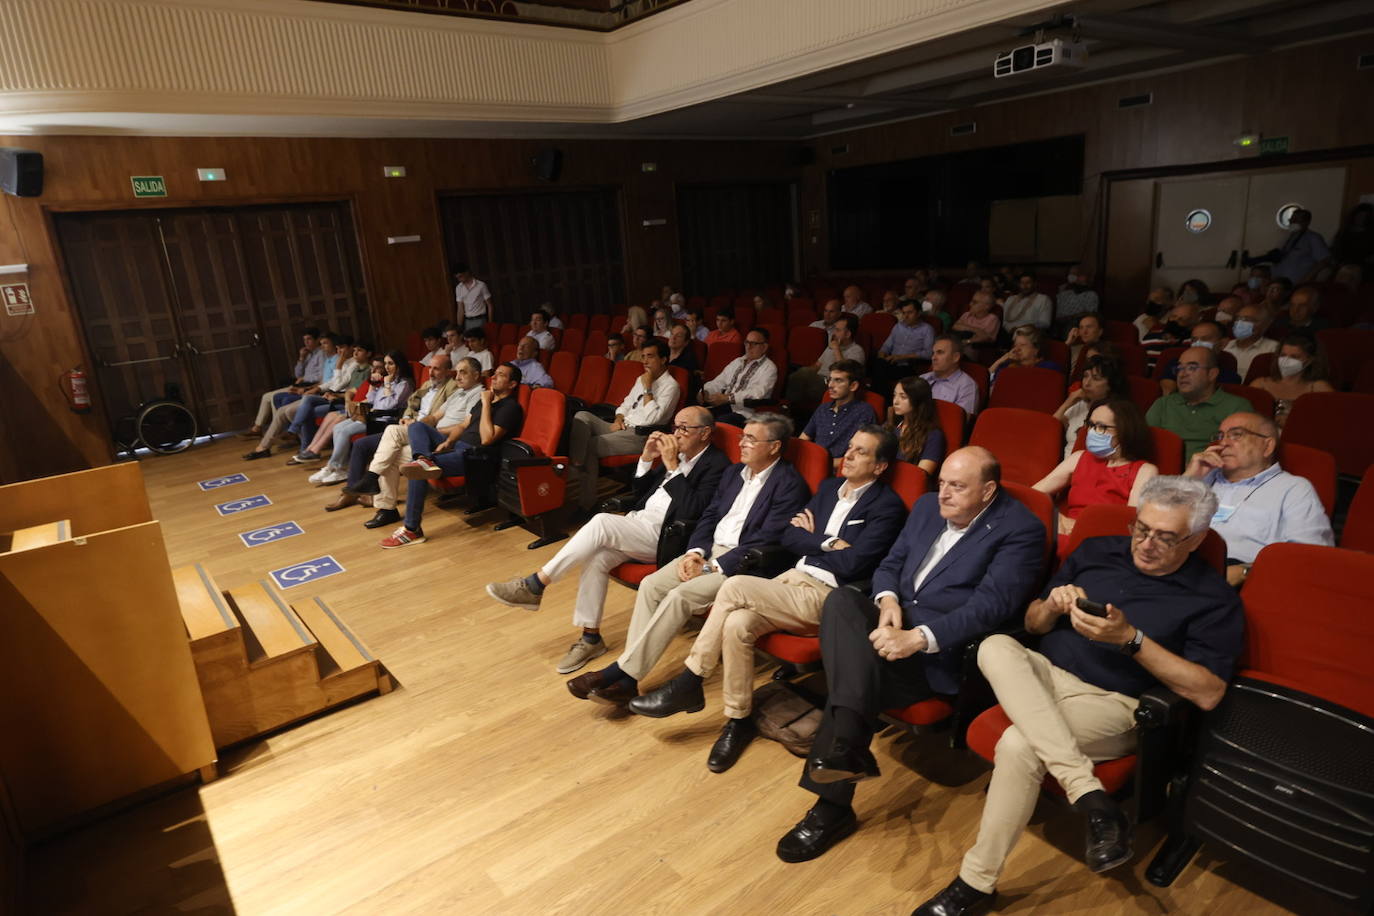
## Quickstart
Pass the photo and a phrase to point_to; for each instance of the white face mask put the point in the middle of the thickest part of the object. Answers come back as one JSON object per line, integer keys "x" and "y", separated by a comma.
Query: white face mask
{"x": 1290, "y": 366}
{"x": 1205, "y": 344}
{"x": 1073, "y": 278}
{"x": 927, "y": 306}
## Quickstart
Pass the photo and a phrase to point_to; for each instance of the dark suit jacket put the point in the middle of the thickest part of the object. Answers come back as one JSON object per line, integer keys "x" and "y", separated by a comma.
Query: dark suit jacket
{"x": 869, "y": 529}
{"x": 691, "y": 495}
{"x": 783, "y": 495}
{"x": 984, "y": 581}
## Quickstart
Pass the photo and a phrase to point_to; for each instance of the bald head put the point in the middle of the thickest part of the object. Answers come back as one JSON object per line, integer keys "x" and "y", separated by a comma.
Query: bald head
{"x": 968, "y": 483}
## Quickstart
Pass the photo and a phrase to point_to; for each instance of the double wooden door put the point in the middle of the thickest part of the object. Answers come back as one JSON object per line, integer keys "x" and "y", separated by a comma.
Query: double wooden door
{"x": 208, "y": 304}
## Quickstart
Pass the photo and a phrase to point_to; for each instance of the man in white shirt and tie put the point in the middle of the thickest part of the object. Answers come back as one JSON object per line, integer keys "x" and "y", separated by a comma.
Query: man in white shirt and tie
{"x": 745, "y": 378}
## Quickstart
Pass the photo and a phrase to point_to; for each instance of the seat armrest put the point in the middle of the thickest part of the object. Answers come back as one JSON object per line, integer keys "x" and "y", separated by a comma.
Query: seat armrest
{"x": 657, "y": 428}
{"x": 768, "y": 560}
{"x": 1160, "y": 706}
{"x": 528, "y": 461}
{"x": 617, "y": 504}
{"x": 1165, "y": 723}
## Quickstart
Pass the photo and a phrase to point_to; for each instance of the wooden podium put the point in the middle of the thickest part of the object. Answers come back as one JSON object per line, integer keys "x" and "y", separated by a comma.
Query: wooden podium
{"x": 101, "y": 700}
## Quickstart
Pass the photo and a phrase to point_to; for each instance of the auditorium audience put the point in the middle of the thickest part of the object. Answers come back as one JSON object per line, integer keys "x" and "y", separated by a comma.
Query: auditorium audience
{"x": 806, "y": 386}
{"x": 1028, "y": 305}
{"x": 933, "y": 304}
{"x": 1227, "y": 308}
{"x": 1026, "y": 344}
{"x": 1086, "y": 332}
{"x": 834, "y": 422}
{"x": 1276, "y": 293}
{"x": 662, "y": 322}
{"x": 635, "y": 351}
{"x": 539, "y": 330}
{"x": 946, "y": 380}
{"x": 831, "y": 311}
{"x": 615, "y": 348}
{"x": 527, "y": 361}
{"x": 1159, "y": 301}
{"x": 349, "y": 374}
{"x": 1258, "y": 503}
{"x": 750, "y": 508}
{"x": 1298, "y": 369}
{"x": 854, "y": 303}
{"x": 1103, "y": 379}
{"x": 725, "y": 331}
{"x": 308, "y": 371}
{"x": 910, "y": 340}
{"x": 1076, "y": 297}
{"x": 433, "y": 342}
{"x": 979, "y": 325}
{"x": 1301, "y": 316}
{"x": 696, "y": 324}
{"x": 472, "y": 300}
{"x": 475, "y": 346}
{"x": 635, "y": 317}
{"x": 680, "y": 352}
{"x": 915, "y": 422}
{"x": 285, "y": 402}
{"x": 1304, "y": 254}
{"x": 1072, "y": 700}
{"x": 1210, "y": 336}
{"x": 1194, "y": 412}
{"x": 745, "y": 378}
{"x": 1247, "y": 337}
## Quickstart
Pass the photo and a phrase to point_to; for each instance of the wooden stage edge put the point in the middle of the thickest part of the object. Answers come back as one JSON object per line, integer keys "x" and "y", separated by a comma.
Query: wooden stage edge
{"x": 481, "y": 786}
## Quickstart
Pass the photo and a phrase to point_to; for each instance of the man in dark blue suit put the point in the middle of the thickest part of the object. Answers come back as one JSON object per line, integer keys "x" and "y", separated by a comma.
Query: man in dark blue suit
{"x": 841, "y": 536}
{"x": 751, "y": 507}
{"x": 965, "y": 563}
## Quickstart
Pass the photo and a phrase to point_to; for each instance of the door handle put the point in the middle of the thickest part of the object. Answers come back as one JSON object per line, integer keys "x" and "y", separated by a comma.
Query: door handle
{"x": 1231, "y": 261}
{"x": 1245, "y": 257}
{"x": 1159, "y": 259}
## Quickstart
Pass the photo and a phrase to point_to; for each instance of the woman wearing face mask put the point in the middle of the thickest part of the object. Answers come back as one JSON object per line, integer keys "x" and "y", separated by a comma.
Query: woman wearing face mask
{"x": 1299, "y": 369}
{"x": 1112, "y": 467}
{"x": 1103, "y": 379}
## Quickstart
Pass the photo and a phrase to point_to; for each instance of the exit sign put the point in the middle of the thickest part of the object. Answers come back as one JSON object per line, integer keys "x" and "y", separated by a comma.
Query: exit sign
{"x": 1273, "y": 146}
{"x": 148, "y": 185}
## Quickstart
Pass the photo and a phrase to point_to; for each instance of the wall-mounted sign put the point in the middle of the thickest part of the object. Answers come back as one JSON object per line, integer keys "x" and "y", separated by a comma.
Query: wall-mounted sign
{"x": 1273, "y": 146}
{"x": 1198, "y": 221}
{"x": 148, "y": 185}
{"x": 17, "y": 299}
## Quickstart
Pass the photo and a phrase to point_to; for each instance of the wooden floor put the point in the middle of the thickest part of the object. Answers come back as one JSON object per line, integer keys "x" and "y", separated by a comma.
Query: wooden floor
{"x": 481, "y": 786}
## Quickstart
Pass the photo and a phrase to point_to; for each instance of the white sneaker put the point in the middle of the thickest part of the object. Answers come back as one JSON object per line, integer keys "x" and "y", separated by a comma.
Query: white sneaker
{"x": 318, "y": 476}
{"x": 332, "y": 476}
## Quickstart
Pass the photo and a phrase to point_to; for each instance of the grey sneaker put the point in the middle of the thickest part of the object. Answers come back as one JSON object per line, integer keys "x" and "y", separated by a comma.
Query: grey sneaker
{"x": 581, "y": 653}
{"x": 515, "y": 593}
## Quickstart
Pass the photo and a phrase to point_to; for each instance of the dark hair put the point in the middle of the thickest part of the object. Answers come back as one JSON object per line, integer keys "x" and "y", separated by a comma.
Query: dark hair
{"x": 326, "y": 335}
{"x": 311, "y": 331}
{"x": 1118, "y": 387}
{"x": 886, "y": 452}
{"x": 515, "y": 374}
{"x": 402, "y": 364}
{"x": 1132, "y": 432}
{"x": 1024, "y": 274}
{"x": 540, "y": 312}
{"x": 851, "y": 322}
{"x": 762, "y": 330}
{"x": 1203, "y": 293}
{"x": 850, "y": 367}
{"x": 342, "y": 340}
{"x": 365, "y": 344}
{"x": 1094, "y": 316}
{"x": 659, "y": 346}
{"x": 696, "y": 312}
{"x": 949, "y": 339}
{"x": 727, "y": 310}
{"x": 912, "y": 435}
{"x": 615, "y": 338}
{"x": 473, "y": 362}
{"x": 1316, "y": 368}
{"x": 461, "y": 267}
{"x": 430, "y": 332}
{"x": 476, "y": 334}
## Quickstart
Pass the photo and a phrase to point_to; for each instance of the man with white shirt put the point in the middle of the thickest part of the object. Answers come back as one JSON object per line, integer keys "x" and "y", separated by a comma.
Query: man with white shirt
{"x": 650, "y": 402}
{"x": 1027, "y": 306}
{"x": 854, "y": 303}
{"x": 532, "y": 371}
{"x": 829, "y": 312}
{"x": 806, "y": 386}
{"x": 676, "y": 477}
{"x": 750, "y": 508}
{"x": 744, "y": 378}
{"x": 539, "y": 330}
{"x": 906, "y": 644}
{"x": 472, "y": 299}
{"x": 434, "y": 342}
{"x": 840, "y": 537}
{"x": 475, "y": 346}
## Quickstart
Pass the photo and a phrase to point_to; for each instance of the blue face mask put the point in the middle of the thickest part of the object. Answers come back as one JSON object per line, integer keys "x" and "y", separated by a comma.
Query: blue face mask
{"x": 1242, "y": 328}
{"x": 1100, "y": 444}
{"x": 1255, "y": 282}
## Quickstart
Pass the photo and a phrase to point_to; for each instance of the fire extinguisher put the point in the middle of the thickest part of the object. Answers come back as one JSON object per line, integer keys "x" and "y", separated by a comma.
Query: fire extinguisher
{"x": 77, "y": 394}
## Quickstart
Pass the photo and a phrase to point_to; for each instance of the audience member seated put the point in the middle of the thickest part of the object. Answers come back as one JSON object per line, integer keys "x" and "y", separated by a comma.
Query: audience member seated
{"x": 1247, "y": 337}
{"x": 650, "y": 402}
{"x": 1086, "y": 332}
{"x": 615, "y": 348}
{"x": 1258, "y": 503}
{"x": 539, "y": 330}
{"x": 979, "y": 325}
{"x": 904, "y": 645}
{"x": 434, "y": 342}
{"x": 916, "y": 424}
{"x": 696, "y": 324}
{"x": 635, "y": 351}
{"x": 527, "y": 361}
{"x": 1026, "y": 343}
{"x": 1111, "y": 468}
{"x": 338, "y": 429}
{"x": 1194, "y": 412}
{"x": 946, "y": 380}
{"x": 725, "y": 331}
{"x": 285, "y": 401}
{"x": 806, "y": 386}
{"x": 680, "y": 351}
{"x": 1276, "y": 293}
{"x": 475, "y": 346}
{"x": 676, "y": 477}
{"x": 677, "y": 304}
{"x": 1075, "y": 297}
{"x": 854, "y": 303}
{"x": 1255, "y": 283}
{"x": 840, "y": 537}
{"x": 1160, "y": 300}
{"x": 834, "y": 422}
{"x": 453, "y": 342}
{"x": 1073, "y": 701}
{"x": 1227, "y": 308}
{"x": 1208, "y": 335}
{"x": 892, "y": 303}
{"x": 495, "y": 416}
{"x": 1299, "y": 369}
{"x": 829, "y": 312}
{"x": 910, "y": 340}
{"x": 1174, "y": 327}
{"x": 1103, "y": 379}
{"x": 662, "y": 322}
{"x": 329, "y": 402}
{"x": 1354, "y": 243}
{"x": 1028, "y": 305}
{"x": 745, "y": 378}
{"x": 1301, "y": 316}
{"x": 933, "y": 305}
{"x": 554, "y": 321}
{"x": 308, "y": 371}
{"x": 989, "y": 286}
{"x": 750, "y": 508}
{"x": 635, "y": 317}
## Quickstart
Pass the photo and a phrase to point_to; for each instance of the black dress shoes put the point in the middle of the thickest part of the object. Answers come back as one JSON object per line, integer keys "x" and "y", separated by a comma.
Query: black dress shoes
{"x": 583, "y": 685}
{"x": 673, "y": 697}
{"x": 257, "y": 453}
{"x": 368, "y": 485}
{"x": 383, "y": 517}
{"x": 1107, "y": 841}
{"x": 814, "y": 834}
{"x": 617, "y": 694}
{"x": 956, "y": 900}
{"x": 734, "y": 738}
{"x": 843, "y": 764}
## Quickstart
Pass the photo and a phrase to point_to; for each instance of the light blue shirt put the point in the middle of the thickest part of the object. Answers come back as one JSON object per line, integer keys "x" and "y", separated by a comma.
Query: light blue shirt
{"x": 532, "y": 373}
{"x": 959, "y": 388}
{"x": 918, "y": 339}
{"x": 1272, "y": 507}
{"x": 1301, "y": 253}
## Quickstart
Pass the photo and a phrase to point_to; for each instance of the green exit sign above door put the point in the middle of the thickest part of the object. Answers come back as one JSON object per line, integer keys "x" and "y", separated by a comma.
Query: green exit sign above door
{"x": 148, "y": 185}
{"x": 1273, "y": 146}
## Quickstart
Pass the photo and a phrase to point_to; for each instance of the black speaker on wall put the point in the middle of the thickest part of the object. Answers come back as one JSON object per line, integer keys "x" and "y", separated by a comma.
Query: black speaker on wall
{"x": 548, "y": 163}
{"x": 21, "y": 172}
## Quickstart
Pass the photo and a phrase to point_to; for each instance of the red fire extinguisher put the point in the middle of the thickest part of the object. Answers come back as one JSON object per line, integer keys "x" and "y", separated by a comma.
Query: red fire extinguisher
{"x": 78, "y": 395}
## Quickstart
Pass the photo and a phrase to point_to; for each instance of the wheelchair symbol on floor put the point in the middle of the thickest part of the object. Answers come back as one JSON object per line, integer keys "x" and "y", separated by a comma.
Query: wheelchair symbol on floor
{"x": 309, "y": 571}
{"x": 217, "y": 482}
{"x": 243, "y": 505}
{"x": 266, "y": 535}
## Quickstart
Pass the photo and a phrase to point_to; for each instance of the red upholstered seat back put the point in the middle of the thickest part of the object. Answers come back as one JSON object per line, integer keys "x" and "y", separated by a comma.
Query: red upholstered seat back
{"x": 1261, "y": 400}
{"x": 979, "y": 373}
{"x": 593, "y": 375}
{"x": 1358, "y": 533}
{"x": 573, "y": 340}
{"x": 563, "y": 370}
{"x": 1028, "y": 443}
{"x": 1337, "y": 422}
{"x": 1144, "y": 392}
{"x": 952, "y": 422}
{"x": 1029, "y": 388}
{"x": 718, "y": 356}
{"x": 1042, "y": 507}
{"x": 806, "y": 344}
{"x": 1317, "y": 465}
{"x": 623, "y": 378}
{"x": 725, "y": 437}
{"x": 544, "y": 420}
{"x": 907, "y": 481}
{"x": 812, "y": 462}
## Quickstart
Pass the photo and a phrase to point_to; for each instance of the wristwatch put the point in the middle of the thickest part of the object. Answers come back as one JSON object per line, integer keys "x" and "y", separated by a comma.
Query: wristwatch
{"x": 1132, "y": 645}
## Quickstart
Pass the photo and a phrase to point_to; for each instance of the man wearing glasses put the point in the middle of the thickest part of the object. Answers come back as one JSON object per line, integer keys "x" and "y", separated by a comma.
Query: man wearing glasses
{"x": 751, "y": 508}
{"x": 1194, "y": 412}
{"x": 676, "y": 477}
{"x": 1170, "y": 619}
{"x": 1259, "y": 503}
{"x": 747, "y": 377}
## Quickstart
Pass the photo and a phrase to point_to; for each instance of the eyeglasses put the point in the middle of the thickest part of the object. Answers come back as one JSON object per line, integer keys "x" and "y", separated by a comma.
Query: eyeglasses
{"x": 682, "y": 428}
{"x": 1100, "y": 427}
{"x": 747, "y": 439}
{"x": 756, "y": 343}
{"x": 1166, "y": 539}
{"x": 1192, "y": 367}
{"x": 1236, "y": 434}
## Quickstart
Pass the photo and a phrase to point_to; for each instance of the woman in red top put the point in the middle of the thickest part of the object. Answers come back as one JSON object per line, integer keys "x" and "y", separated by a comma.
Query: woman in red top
{"x": 1112, "y": 467}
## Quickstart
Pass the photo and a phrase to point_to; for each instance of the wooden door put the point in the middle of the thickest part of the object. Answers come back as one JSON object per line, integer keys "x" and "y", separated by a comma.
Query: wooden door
{"x": 1199, "y": 231}
{"x": 1274, "y": 195}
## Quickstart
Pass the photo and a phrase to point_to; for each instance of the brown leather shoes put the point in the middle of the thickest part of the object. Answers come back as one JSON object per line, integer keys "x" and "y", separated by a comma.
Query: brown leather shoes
{"x": 582, "y": 685}
{"x": 345, "y": 500}
{"x": 617, "y": 694}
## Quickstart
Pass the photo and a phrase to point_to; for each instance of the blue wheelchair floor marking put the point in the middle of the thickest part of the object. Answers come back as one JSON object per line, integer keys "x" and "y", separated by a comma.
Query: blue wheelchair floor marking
{"x": 215, "y": 483}
{"x": 308, "y": 571}
{"x": 243, "y": 505}
{"x": 269, "y": 533}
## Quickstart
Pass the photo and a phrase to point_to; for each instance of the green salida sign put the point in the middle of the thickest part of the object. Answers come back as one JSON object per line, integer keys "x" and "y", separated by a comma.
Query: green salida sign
{"x": 148, "y": 185}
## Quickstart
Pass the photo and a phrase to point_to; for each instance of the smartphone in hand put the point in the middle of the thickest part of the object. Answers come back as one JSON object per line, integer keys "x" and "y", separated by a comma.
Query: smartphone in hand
{"x": 1091, "y": 607}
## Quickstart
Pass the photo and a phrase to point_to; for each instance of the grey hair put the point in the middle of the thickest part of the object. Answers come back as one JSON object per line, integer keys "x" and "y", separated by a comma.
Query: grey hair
{"x": 1187, "y": 492}
{"x": 779, "y": 427}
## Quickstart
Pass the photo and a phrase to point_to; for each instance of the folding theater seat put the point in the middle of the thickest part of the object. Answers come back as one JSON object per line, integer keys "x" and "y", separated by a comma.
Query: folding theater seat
{"x": 718, "y": 356}
{"x": 1317, "y": 465}
{"x": 573, "y": 340}
{"x": 1028, "y": 443}
{"x": 806, "y": 344}
{"x": 563, "y": 370}
{"x": 953, "y": 422}
{"x": 680, "y": 376}
{"x": 1028, "y": 388}
{"x": 1358, "y": 533}
{"x": 533, "y": 479}
{"x": 1261, "y": 400}
{"x": 1336, "y": 422}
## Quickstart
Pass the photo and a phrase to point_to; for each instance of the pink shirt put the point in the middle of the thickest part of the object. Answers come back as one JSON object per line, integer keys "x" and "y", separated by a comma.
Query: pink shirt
{"x": 989, "y": 324}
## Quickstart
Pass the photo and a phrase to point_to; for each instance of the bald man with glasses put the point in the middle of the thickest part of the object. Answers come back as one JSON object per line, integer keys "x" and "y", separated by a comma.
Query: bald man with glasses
{"x": 1258, "y": 502}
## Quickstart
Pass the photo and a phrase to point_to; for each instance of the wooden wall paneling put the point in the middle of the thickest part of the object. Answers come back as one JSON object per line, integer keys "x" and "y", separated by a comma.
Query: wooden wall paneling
{"x": 1129, "y": 228}
{"x": 99, "y": 499}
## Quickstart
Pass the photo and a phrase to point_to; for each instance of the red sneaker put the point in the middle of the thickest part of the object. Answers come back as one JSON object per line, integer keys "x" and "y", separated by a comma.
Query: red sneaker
{"x": 403, "y": 537}
{"x": 421, "y": 468}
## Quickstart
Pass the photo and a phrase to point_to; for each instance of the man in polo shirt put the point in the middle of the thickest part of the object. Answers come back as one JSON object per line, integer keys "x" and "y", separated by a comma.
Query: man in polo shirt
{"x": 1170, "y": 619}
{"x": 1194, "y": 412}
{"x": 947, "y": 381}
{"x": 472, "y": 299}
{"x": 834, "y": 423}
{"x": 1259, "y": 503}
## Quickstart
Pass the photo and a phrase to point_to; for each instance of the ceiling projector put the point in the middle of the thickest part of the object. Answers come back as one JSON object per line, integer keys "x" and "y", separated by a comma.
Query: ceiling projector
{"x": 1040, "y": 56}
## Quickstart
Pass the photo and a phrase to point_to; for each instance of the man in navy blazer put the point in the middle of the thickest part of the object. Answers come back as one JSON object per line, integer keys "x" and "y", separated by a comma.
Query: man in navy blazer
{"x": 966, "y": 562}
{"x": 752, "y": 505}
{"x": 841, "y": 536}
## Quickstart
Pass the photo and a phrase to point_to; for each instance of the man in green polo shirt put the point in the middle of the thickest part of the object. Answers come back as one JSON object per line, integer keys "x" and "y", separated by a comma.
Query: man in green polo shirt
{"x": 1194, "y": 412}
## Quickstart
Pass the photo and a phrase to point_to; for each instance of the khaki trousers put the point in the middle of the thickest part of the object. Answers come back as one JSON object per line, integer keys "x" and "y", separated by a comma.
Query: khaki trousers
{"x": 393, "y": 450}
{"x": 1060, "y": 724}
{"x": 265, "y": 408}
{"x": 663, "y": 605}
{"x": 747, "y": 607}
{"x": 591, "y": 439}
{"x": 280, "y": 420}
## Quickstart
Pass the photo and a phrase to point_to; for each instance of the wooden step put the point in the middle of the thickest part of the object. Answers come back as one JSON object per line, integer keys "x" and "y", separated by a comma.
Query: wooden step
{"x": 346, "y": 652}
{"x": 203, "y": 608}
{"x": 273, "y": 629}
{"x": 40, "y": 535}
